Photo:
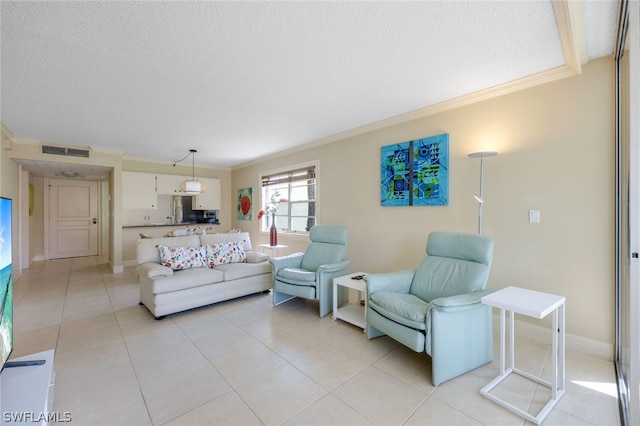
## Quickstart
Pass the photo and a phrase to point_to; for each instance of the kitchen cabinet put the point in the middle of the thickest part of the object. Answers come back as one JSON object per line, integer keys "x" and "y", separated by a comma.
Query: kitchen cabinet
{"x": 169, "y": 184}
{"x": 210, "y": 199}
{"x": 139, "y": 190}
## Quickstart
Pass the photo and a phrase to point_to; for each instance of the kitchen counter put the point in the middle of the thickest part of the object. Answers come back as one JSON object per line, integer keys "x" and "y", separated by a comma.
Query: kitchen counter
{"x": 170, "y": 224}
{"x": 165, "y": 224}
{"x": 131, "y": 234}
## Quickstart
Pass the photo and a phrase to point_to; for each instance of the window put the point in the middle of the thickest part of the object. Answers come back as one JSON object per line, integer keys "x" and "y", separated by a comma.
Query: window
{"x": 298, "y": 186}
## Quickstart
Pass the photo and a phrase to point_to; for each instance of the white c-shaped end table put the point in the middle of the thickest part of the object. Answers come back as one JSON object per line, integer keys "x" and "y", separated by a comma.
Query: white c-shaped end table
{"x": 274, "y": 249}
{"x": 537, "y": 305}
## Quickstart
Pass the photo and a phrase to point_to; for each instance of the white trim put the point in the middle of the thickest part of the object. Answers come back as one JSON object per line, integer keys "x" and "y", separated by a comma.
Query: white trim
{"x": 287, "y": 168}
{"x": 129, "y": 263}
{"x": 482, "y": 95}
{"x": 316, "y": 164}
{"x": 570, "y": 21}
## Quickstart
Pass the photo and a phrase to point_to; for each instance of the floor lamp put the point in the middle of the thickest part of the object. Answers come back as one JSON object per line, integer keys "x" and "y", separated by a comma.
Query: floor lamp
{"x": 479, "y": 197}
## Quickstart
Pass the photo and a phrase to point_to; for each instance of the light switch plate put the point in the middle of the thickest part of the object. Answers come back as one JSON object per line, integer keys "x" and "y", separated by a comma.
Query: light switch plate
{"x": 534, "y": 216}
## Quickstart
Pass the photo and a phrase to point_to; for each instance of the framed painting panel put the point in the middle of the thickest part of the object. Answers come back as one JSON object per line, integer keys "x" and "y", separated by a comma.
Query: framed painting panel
{"x": 415, "y": 172}
{"x": 245, "y": 201}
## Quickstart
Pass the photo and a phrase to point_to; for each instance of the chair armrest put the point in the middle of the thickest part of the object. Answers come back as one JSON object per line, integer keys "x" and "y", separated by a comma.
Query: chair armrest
{"x": 326, "y": 273}
{"x": 329, "y": 268}
{"x": 396, "y": 282}
{"x": 291, "y": 261}
{"x": 460, "y": 300}
{"x": 152, "y": 270}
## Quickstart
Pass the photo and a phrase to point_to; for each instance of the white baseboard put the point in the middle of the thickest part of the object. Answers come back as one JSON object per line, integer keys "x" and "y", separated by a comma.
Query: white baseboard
{"x": 572, "y": 342}
{"x": 37, "y": 258}
{"x": 116, "y": 269}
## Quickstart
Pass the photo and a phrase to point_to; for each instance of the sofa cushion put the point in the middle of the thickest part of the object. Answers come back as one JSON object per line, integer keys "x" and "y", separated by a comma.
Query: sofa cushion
{"x": 296, "y": 275}
{"x": 147, "y": 248}
{"x": 227, "y": 252}
{"x": 222, "y": 237}
{"x": 187, "y": 278}
{"x": 404, "y": 305}
{"x": 178, "y": 258}
{"x": 234, "y": 271}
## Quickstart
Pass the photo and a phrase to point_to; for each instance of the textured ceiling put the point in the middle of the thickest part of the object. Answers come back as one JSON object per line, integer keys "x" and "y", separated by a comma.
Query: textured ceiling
{"x": 241, "y": 80}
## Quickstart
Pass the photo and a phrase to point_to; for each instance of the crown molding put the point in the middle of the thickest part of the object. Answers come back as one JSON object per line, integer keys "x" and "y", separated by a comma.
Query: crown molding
{"x": 570, "y": 21}
{"x": 461, "y": 101}
{"x": 171, "y": 163}
{"x": 569, "y": 16}
{"x": 7, "y": 136}
{"x": 105, "y": 150}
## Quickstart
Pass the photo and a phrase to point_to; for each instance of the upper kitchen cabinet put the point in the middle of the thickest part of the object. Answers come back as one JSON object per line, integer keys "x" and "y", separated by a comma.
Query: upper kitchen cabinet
{"x": 210, "y": 199}
{"x": 169, "y": 184}
{"x": 139, "y": 190}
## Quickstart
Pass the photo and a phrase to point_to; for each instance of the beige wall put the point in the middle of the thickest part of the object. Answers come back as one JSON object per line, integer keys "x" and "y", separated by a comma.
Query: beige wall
{"x": 10, "y": 188}
{"x": 556, "y": 155}
{"x": 30, "y": 150}
{"x": 556, "y": 145}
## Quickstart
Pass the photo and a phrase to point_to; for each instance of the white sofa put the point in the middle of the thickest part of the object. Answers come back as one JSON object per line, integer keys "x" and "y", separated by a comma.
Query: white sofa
{"x": 165, "y": 291}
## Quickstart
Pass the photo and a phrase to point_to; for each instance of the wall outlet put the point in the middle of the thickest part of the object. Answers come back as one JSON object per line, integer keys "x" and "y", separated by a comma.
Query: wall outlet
{"x": 534, "y": 216}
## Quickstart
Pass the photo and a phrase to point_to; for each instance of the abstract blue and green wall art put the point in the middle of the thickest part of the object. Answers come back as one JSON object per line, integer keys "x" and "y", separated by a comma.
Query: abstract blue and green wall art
{"x": 416, "y": 173}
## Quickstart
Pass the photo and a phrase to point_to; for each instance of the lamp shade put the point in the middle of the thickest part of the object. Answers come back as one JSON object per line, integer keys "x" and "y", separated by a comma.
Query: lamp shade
{"x": 193, "y": 186}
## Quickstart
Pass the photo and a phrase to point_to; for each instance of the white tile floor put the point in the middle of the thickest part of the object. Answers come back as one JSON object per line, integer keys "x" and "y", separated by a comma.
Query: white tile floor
{"x": 246, "y": 362}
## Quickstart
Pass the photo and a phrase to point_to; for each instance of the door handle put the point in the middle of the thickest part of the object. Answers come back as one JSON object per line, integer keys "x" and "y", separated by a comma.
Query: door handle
{"x": 95, "y": 220}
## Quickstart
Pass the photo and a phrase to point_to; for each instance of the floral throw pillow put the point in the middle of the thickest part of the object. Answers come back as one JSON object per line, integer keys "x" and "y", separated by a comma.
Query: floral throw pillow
{"x": 227, "y": 252}
{"x": 178, "y": 258}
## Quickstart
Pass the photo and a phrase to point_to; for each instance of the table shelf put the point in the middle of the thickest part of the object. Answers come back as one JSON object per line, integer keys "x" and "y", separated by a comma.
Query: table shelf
{"x": 353, "y": 313}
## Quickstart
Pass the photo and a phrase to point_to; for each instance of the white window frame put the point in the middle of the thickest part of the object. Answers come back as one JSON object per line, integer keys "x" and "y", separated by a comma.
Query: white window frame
{"x": 265, "y": 221}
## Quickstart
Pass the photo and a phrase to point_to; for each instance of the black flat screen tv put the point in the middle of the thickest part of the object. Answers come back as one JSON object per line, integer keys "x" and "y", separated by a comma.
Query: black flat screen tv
{"x": 6, "y": 282}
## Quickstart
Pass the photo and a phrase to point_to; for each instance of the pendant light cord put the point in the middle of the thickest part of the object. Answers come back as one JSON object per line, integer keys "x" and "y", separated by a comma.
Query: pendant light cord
{"x": 191, "y": 152}
{"x": 193, "y": 164}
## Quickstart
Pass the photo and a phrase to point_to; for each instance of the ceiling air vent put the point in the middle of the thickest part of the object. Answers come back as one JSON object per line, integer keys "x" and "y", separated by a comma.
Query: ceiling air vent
{"x": 70, "y": 152}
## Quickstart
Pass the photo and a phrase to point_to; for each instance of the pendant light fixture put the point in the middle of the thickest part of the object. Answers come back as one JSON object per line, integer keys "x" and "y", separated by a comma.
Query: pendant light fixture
{"x": 192, "y": 186}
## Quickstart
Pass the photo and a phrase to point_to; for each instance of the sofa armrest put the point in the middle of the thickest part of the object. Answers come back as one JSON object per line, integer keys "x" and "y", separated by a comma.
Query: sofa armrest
{"x": 291, "y": 261}
{"x": 256, "y": 257}
{"x": 396, "y": 282}
{"x": 152, "y": 270}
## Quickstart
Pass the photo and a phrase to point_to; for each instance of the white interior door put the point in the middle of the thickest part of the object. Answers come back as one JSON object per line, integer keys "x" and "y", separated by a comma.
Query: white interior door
{"x": 73, "y": 218}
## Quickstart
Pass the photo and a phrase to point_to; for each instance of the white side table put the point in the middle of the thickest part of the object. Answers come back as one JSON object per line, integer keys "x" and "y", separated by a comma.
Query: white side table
{"x": 274, "y": 249}
{"x": 353, "y": 313}
{"x": 537, "y": 305}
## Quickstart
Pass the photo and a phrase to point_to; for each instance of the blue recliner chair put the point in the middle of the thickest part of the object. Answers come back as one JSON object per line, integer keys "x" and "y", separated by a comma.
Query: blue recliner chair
{"x": 436, "y": 309}
{"x": 310, "y": 274}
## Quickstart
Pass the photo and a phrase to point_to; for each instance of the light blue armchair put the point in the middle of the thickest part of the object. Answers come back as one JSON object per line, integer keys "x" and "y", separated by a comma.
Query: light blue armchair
{"x": 436, "y": 309}
{"x": 310, "y": 274}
